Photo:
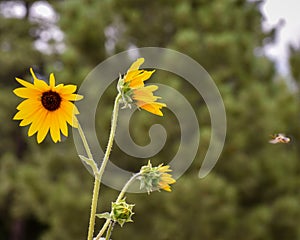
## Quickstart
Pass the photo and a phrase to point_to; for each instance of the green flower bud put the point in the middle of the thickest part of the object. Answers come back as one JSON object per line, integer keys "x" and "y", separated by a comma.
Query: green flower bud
{"x": 122, "y": 212}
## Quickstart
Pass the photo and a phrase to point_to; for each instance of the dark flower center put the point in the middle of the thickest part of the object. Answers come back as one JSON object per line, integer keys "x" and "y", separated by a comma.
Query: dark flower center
{"x": 51, "y": 100}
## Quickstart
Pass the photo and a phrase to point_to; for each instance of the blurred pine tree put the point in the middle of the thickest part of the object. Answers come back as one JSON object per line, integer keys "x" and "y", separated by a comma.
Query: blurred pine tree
{"x": 294, "y": 62}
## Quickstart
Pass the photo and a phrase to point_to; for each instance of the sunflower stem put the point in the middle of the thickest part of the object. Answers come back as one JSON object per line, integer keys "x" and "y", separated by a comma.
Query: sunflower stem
{"x": 103, "y": 229}
{"x": 99, "y": 174}
{"x": 94, "y": 207}
{"x": 126, "y": 186}
{"x": 111, "y": 136}
{"x": 109, "y": 231}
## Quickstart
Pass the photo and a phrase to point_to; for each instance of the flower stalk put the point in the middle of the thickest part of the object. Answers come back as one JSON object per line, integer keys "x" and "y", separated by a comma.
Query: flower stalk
{"x": 94, "y": 207}
{"x": 99, "y": 173}
{"x": 103, "y": 229}
{"x": 109, "y": 231}
{"x": 111, "y": 136}
{"x": 126, "y": 186}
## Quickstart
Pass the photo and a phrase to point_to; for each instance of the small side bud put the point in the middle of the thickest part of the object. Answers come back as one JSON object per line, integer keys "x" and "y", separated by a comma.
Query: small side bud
{"x": 122, "y": 212}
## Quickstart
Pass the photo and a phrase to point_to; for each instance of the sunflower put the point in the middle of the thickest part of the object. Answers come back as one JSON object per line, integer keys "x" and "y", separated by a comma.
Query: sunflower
{"x": 156, "y": 177}
{"x": 133, "y": 90}
{"x": 47, "y": 107}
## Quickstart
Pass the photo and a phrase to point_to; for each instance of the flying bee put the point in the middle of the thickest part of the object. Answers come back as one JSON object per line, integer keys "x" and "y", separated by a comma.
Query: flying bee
{"x": 279, "y": 138}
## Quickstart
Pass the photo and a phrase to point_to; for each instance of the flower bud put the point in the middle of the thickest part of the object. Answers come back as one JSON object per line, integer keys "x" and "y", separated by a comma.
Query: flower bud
{"x": 153, "y": 178}
{"x": 122, "y": 212}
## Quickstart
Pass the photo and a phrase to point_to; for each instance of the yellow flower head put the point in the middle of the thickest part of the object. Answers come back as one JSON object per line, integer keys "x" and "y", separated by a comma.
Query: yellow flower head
{"x": 156, "y": 177}
{"x": 47, "y": 107}
{"x": 132, "y": 89}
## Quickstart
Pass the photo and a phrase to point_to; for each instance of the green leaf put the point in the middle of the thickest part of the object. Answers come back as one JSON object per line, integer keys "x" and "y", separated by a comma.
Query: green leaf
{"x": 90, "y": 162}
{"x": 105, "y": 215}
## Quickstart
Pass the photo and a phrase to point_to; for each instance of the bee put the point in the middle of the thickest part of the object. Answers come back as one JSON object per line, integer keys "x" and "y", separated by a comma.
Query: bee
{"x": 279, "y": 138}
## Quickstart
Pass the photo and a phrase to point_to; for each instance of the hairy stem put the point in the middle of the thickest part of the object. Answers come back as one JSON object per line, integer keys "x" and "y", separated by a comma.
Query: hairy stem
{"x": 99, "y": 174}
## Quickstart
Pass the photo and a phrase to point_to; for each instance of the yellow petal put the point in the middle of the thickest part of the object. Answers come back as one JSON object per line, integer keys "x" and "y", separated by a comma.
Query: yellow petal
{"x": 78, "y": 97}
{"x": 25, "y": 83}
{"x": 146, "y": 97}
{"x": 152, "y": 107}
{"x": 54, "y": 127}
{"x": 131, "y": 75}
{"x": 27, "y": 93}
{"x": 147, "y": 91}
{"x": 59, "y": 87}
{"x": 68, "y": 89}
{"x": 38, "y": 119}
{"x": 28, "y": 116}
{"x": 167, "y": 188}
{"x": 25, "y": 122}
{"x": 26, "y": 113}
{"x": 74, "y": 122}
{"x": 33, "y": 74}
{"x": 69, "y": 107}
{"x": 66, "y": 112}
{"x": 138, "y": 81}
{"x": 52, "y": 81}
{"x": 43, "y": 129}
{"x": 168, "y": 180}
{"x": 41, "y": 85}
{"x": 72, "y": 97}
{"x": 136, "y": 64}
{"x": 150, "y": 88}
{"x": 29, "y": 105}
{"x": 62, "y": 124}
{"x": 165, "y": 168}
{"x": 20, "y": 115}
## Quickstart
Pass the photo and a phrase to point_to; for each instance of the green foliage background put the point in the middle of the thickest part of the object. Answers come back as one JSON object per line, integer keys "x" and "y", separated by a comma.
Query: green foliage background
{"x": 253, "y": 192}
